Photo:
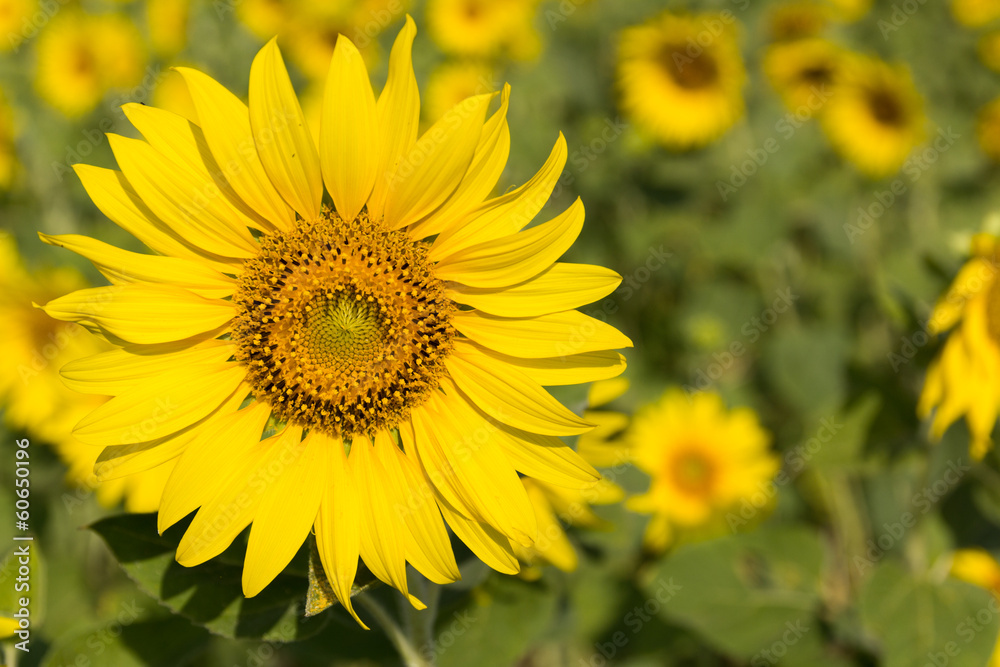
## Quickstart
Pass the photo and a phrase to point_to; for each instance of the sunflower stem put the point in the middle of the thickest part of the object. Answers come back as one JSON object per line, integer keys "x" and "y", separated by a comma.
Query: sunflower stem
{"x": 420, "y": 623}
{"x": 407, "y": 650}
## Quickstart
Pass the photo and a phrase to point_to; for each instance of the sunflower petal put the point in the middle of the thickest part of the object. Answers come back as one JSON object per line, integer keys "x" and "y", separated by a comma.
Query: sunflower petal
{"x": 349, "y": 136}
{"x": 282, "y": 136}
{"x": 556, "y": 335}
{"x": 548, "y": 372}
{"x": 489, "y": 545}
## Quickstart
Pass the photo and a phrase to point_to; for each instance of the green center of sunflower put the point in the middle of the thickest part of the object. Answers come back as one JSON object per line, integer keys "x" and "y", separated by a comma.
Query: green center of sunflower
{"x": 690, "y": 72}
{"x": 341, "y": 325}
{"x": 692, "y": 473}
{"x": 886, "y": 108}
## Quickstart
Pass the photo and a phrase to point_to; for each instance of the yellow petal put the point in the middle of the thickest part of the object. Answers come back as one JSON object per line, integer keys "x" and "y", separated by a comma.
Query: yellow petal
{"x": 142, "y": 313}
{"x": 572, "y": 369}
{"x": 487, "y": 165}
{"x": 123, "y": 267}
{"x": 183, "y": 142}
{"x": 287, "y": 511}
{"x": 116, "y": 198}
{"x": 557, "y": 335}
{"x": 545, "y": 457}
{"x": 560, "y": 287}
{"x": 510, "y": 397}
{"x": 117, "y": 371}
{"x": 338, "y": 525}
{"x": 160, "y": 406}
{"x": 216, "y": 446}
{"x": 514, "y": 258}
{"x": 506, "y": 214}
{"x": 556, "y": 547}
{"x": 398, "y": 110}
{"x": 489, "y": 545}
{"x": 176, "y": 197}
{"x": 349, "y": 139}
{"x": 282, "y": 136}
{"x": 226, "y": 123}
{"x": 431, "y": 171}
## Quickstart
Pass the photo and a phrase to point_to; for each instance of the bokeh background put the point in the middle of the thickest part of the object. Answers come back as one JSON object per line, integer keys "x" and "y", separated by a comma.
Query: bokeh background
{"x": 784, "y": 219}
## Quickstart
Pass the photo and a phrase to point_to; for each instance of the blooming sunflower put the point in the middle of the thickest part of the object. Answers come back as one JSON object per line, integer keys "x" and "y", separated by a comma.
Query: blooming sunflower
{"x": 484, "y": 28}
{"x": 965, "y": 378}
{"x": 874, "y": 118}
{"x": 703, "y": 461}
{"x": 682, "y": 93}
{"x": 797, "y": 20}
{"x": 975, "y": 13}
{"x": 378, "y": 363}
{"x": 801, "y": 71}
{"x": 82, "y": 57}
{"x": 167, "y": 23}
{"x": 979, "y": 568}
{"x": 988, "y": 129}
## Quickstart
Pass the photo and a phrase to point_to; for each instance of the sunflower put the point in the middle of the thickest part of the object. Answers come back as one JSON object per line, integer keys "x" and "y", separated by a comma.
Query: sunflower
{"x": 81, "y": 57}
{"x": 13, "y": 16}
{"x": 979, "y": 568}
{"x": 797, "y": 20}
{"x": 988, "y": 129}
{"x": 452, "y": 82}
{"x": 975, "y": 13}
{"x": 167, "y": 23}
{"x": 988, "y": 48}
{"x": 965, "y": 377}
{"x": 801, "y": 71}
{"x": 171, "y": 94}
{"x": 704, "y": 463}
{"x": 378, "y": 363}
{"x": 682, "y": 93}
{"x": 570, "y": 501}
{"x": 485, "y": 28}
{"x": 8, "y": 151}
{"x": 874, "y": 117}
{"x": 849, "y": 10}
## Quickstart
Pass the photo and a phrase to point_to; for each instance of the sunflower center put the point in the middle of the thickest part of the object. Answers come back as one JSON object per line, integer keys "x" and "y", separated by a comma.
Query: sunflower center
{"x": 341, "y": 325}
{"x": 886, "y": 108}
{"x": 692, "y": 473}
{"x": 817, "y": 74}
{"x": 688, "y": 72}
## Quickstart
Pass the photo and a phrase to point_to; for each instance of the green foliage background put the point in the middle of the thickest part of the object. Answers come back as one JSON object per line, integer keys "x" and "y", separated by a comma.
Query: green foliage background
{"x": 837, "y": 576}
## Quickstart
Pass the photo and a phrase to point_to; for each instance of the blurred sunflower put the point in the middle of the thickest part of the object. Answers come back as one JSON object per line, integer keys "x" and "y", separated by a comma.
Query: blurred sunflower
{"x": 802, "y": 71}
{"x": 988, "y": 129}
{"x": 485, "y": 28}
{"x": 703, "y": 462}
{"x": 13, "y": 16}
{"x": 965, "y": 377}
{"x": 167, "y": 24}
{"x": 875, "y": 116}
{"x": 570, "y": 501}
{"x": 849, "y": 10}
{"x": 452, "y": 82}
{"x": 82, "y": 57}
{"x": 8, "y": 149}
{"x": 683, "y": 94}
{"x": 988, "y": 48}
{"x": 978, "y": 567}
{"x": 790, "y": 21}
{"x": 975, "y": 13}
{"x": 341, "y": 335}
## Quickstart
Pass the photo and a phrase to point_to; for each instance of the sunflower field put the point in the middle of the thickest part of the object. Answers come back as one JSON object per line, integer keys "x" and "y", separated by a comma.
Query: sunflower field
{"x": 460, "y": 333}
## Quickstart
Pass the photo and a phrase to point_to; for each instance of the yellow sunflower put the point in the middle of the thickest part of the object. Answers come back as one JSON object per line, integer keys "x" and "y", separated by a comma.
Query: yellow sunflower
{"x": 8, "y": 150}
{"x": 989, "y": 50}
{"x": 797, "y": 20}
{"x": 81, "y": 57}
{"x": 171, "y": 94}
{"x": 391, "y": 348}
{"x": 484, "y": 28}
{"x": 874, "y": 117}
{"x": 803, "y": 71}
{"x": 167, "y": 23}
{"x": 979, "y": 568}
{"x": 965, "y": 378}
{"x": 570, "y": 501}
{"x": 975, "y": 13}
{"x": 452, "y": 82}
{"x": 849, "y": 10}
{"x": 703, "y": 462}
{"x": 13, "y": 15}
{"x": 988, "y": 129}
{"x": 681, "y": 77}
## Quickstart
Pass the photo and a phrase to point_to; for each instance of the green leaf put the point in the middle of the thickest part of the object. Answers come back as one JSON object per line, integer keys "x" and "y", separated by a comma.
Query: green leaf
{"x": 840, "y": 441}
{"x": 744, "y": 592}
{"x": 210, "y": 594}
{"x": 494, "y": 626}
{"x": 917, "y": 621}
{"x": 320, "y": 595}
